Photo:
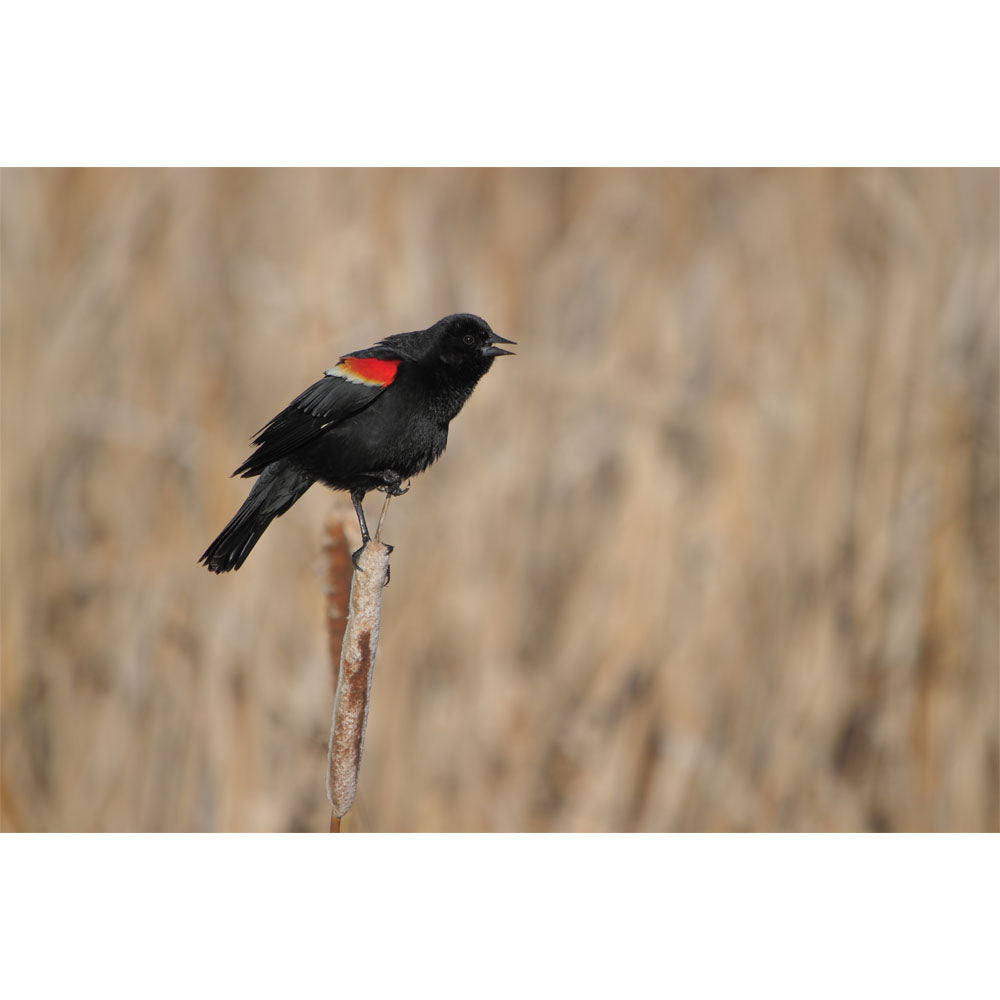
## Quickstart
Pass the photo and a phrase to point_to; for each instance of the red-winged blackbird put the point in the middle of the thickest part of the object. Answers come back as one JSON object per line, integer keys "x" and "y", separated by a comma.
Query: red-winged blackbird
{"x": 375, "y": 419}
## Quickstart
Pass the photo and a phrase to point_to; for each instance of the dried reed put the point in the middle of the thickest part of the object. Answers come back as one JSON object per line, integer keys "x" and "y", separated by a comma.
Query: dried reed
{"x": 746, "y": 468}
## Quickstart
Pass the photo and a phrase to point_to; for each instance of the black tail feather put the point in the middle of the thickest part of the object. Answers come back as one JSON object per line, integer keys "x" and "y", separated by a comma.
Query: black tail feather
{"x": 278, "y": 487}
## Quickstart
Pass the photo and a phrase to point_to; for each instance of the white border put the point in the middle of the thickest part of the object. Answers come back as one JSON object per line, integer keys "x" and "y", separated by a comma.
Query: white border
{"x": 447, "y": 83}
{"x": 559, "y": 915}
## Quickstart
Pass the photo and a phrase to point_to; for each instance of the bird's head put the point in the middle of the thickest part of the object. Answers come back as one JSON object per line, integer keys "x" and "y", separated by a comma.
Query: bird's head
{"x": 466, "y": 342}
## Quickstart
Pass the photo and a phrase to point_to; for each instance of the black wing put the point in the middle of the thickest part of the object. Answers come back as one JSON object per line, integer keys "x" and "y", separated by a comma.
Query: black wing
{"x": 335, "y": 397}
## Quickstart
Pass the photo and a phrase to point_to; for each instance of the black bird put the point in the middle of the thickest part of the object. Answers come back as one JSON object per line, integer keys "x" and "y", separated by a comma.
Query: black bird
{"x": 376, "y": 418}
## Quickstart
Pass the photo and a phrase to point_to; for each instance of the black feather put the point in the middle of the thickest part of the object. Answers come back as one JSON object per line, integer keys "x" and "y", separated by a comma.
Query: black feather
{"x": 328, "y": 401}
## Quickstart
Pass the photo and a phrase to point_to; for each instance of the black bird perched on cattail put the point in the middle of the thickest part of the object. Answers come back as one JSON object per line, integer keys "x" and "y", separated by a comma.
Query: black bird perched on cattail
{"x": 376, "y": 418}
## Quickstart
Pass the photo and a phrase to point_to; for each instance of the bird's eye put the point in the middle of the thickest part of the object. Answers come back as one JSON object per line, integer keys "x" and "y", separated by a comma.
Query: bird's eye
{"x": 468, "y": 339}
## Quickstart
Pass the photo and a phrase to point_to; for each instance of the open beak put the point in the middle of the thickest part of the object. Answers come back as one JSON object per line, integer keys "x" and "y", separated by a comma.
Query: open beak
{"x": 491, "y": 350}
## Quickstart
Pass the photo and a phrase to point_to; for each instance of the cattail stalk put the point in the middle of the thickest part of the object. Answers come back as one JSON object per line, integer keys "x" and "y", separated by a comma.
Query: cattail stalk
{"x": 354, "y": 676}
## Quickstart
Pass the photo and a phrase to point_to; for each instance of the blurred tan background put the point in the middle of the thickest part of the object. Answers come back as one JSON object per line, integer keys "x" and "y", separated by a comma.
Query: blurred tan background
{"x": 717, "y": 551}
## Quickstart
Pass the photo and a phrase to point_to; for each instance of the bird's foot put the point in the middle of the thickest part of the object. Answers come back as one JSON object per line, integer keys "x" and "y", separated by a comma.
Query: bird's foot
{"x": 355, "y": 556}
{"x": 392, "y": 484}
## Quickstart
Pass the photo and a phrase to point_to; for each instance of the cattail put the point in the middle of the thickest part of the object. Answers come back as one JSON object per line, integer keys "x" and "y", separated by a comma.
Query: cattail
{"x": 357, "y": 666}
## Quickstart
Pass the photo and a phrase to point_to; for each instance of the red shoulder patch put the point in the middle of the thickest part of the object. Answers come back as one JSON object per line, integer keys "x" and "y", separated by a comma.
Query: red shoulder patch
{"x": 367, "y": 371}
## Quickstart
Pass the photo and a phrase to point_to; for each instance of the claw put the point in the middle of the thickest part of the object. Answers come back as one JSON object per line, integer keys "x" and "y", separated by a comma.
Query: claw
{"x": 388, "y": 568}
{"x": 355, "y": 556}
{"x": 390, "y": 484}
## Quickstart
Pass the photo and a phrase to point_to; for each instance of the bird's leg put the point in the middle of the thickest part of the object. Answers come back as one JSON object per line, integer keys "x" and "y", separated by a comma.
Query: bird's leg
{"x": 391, "y": 483}
{"x": 356, "y": 497}
{"x": 381, "y": 517}
{"x": 378, "y": 529}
